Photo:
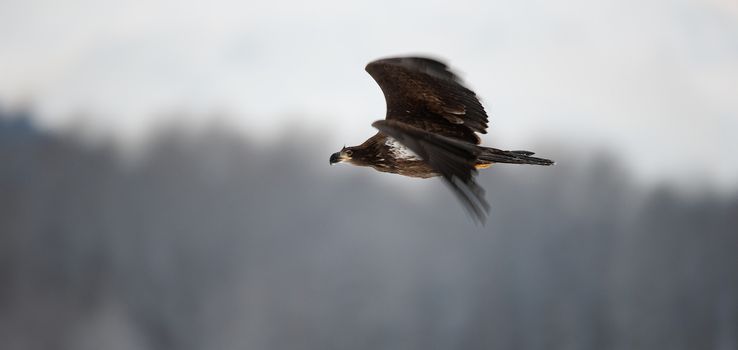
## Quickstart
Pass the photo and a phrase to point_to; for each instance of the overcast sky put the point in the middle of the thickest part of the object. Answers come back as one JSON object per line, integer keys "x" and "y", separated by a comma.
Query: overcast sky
{"x": 654, "y": 80}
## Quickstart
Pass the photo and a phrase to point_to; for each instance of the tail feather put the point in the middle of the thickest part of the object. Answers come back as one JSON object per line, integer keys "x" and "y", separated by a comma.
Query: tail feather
{"x": 494, "y": 155}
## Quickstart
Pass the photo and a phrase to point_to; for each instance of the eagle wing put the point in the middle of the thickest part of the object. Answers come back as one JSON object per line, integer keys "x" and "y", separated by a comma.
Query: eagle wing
{"x": 424, "y": 93}
{"x": 450, "y": 157}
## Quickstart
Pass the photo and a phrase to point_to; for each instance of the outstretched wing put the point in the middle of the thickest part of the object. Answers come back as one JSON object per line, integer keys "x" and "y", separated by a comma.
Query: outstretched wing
{"x": 424, "y": 93}
{"x": 452, "y": 158}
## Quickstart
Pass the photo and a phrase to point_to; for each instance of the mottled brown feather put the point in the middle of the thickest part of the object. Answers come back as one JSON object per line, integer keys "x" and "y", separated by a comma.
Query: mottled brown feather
{"x": 424, "y": 93}
{"x": 453, "y": 159}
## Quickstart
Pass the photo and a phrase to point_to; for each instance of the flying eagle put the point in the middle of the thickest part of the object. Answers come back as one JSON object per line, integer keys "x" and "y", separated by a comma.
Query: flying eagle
{"x": 430, "y": 130}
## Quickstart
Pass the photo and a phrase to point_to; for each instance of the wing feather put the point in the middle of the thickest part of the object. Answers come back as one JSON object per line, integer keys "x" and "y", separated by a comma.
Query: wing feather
{"x": 453, "y": 159}
{"x": 424, "y": 93}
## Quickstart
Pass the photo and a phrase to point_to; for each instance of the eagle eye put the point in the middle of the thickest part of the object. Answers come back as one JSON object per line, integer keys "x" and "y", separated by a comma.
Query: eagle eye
{"x": 349, "y": 152}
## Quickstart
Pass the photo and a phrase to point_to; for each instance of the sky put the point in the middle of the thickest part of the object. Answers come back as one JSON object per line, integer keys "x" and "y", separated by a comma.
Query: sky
{"x": 653, "y": 81}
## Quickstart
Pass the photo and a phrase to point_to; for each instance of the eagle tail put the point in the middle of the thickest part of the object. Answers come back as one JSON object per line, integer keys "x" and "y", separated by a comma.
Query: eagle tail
{"x": 494, "y": 155}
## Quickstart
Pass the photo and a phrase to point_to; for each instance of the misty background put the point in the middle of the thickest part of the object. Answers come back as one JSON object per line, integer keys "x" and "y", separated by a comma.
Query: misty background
{"x": 164, "y": 177}
{"x": 213, "y": 241}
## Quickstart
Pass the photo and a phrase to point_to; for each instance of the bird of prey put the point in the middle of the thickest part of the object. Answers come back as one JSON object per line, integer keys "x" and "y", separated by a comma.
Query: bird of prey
{"x": 430, "y": 130}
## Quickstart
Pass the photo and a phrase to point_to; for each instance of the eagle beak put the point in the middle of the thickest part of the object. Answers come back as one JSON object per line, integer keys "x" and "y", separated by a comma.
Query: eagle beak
{"x": 335, "y": 158}
{"x": 339, "y": 157}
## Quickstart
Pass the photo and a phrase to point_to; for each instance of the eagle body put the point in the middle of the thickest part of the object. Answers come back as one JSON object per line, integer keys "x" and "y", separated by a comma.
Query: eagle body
{"x": 430, "y": 129}
{"x": 385, "y": 154}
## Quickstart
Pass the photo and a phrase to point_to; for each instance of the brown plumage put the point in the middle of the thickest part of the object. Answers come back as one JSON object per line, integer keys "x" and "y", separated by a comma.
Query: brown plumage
{"x": 430, "y": 130}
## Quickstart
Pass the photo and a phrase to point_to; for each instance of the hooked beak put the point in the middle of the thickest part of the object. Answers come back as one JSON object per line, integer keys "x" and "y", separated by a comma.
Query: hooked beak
{"x": 339, "y": 157}
{"x": 335, "y": 158}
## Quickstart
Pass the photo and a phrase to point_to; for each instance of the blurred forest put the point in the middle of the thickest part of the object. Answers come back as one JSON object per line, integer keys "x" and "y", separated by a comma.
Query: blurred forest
{"x": 213, "y": 241}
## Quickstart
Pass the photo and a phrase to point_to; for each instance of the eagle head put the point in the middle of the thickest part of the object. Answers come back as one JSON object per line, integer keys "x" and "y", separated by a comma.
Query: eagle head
{"x": 343, "y": 155}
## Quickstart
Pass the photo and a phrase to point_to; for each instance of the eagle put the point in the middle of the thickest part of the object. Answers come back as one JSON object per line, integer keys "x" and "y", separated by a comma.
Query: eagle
{"x": 430, "y": 130}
